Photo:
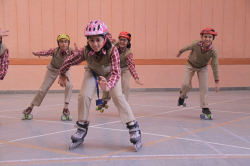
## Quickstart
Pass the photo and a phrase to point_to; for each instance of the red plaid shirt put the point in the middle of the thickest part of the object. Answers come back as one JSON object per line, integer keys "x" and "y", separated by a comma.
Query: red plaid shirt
{"x": 130, "y": 62}
{"x": 50, "y": 52}
{"x": 129, "y": 58}
{"x": 205, "y": 50}
{"x": 77, "y": 58}
{"x": 4, "y": 64}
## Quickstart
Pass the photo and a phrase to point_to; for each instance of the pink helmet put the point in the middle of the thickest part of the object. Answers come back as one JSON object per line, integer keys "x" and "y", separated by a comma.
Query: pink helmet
{"x": 95, "y": 27}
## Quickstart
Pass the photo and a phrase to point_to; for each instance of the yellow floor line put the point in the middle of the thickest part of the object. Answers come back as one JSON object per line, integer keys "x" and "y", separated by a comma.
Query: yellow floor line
{"x": 175, "y": 136}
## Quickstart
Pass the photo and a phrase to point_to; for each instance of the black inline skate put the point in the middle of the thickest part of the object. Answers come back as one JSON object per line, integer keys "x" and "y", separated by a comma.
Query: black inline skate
{"x": 78, "y": 137}
{"x": 135, "y": 135}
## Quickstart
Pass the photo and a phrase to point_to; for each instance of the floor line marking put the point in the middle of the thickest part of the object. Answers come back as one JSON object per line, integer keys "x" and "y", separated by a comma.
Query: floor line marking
{"x": 42, "y": 148}
{"x": 122, "y": 158}
{"x": 196, "y": 136}
{"x": 175, "y": 136}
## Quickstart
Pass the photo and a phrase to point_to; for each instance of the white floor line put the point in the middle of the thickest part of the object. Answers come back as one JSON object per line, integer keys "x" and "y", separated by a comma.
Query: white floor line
{"x": 95, "y": 126}
{"x": 175, "y": 156}
{"x": 228, "y": 111}
{"x": 196, "y": 136}
{"x": 136, "y": 117}
{"x": 21, "y": 109}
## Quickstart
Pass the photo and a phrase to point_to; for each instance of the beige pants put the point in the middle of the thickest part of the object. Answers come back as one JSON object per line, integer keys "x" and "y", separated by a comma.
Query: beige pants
{"x": 87, "y": 92}
{"x": 49, "y": 79}
{"x": 186, "y": 86}
{"x": 125, "y": 78}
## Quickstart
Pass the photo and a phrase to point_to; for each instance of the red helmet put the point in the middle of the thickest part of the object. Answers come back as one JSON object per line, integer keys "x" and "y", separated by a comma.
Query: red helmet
{"x": 208, "y": 31}
{"x": 125, "y": 34}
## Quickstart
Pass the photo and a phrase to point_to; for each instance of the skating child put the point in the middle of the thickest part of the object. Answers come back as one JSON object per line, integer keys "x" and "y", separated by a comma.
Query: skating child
{"x": 201, "y": 52}
{"x": 103, "y": 62}
{"x": 4, "y": 56}
{"x": 127, "y": 66}
{"x": 59, "y": 54}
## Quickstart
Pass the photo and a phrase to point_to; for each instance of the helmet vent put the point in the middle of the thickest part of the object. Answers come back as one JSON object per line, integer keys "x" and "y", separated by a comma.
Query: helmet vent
{"x": 98, "y": 27}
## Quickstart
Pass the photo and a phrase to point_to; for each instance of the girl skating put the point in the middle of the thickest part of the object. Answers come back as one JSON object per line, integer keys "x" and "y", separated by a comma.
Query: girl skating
{"x": 58, "y": 54}
{"x": 103, "y": 60}
{"x": 201, "y": 53}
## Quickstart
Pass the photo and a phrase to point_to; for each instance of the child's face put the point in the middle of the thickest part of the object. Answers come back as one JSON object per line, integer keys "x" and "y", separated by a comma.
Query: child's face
{"x": 96, "y": 42}
{"x": 123, "y": 42}
{"x": 63, "y": 44}
{"x": 207, "y": 39}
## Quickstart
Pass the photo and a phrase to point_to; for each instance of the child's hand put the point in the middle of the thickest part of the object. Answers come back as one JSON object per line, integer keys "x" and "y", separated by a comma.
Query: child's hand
{"x": 35, "y": 54}
{"x": 62, "y": 80}
{"x": 138, "y": 82}
{"x": 76, "y": 48}
{"x": 103, "y": 84}
{"x": 2, "y": 32}
{"x": 217, "y": 87}
{"x": 178, "y": 55}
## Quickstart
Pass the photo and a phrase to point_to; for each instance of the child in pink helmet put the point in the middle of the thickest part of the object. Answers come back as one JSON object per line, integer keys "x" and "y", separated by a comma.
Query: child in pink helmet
{"x": 4, "y": 55}
{"x": 201, "y": 53}
{"x": 103, "y": 67}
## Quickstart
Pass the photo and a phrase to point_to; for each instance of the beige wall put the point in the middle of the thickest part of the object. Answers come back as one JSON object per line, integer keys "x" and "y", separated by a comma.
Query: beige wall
{"x": 159, "y": 29}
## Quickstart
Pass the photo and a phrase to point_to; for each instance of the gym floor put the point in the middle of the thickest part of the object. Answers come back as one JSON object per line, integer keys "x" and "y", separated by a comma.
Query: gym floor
{"x": 171, "y": 135}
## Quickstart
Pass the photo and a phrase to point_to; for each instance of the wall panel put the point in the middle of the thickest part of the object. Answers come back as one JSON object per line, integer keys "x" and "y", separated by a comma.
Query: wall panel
{"x": 23, "y": 28}
{"x": 162, "y": 29}
{"x": 48, "y": 24}
{"x": 140, "y": 31}
{"x": 217, "y": 24}
{"x": 36, "y": 37}
{"x": 228, "y": 29}
{"x": 10, "y": 23}
{"x": 151, "y": 29}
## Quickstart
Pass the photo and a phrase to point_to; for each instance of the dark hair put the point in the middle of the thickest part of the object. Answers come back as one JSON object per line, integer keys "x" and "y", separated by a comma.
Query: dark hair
{"x": 213, "y": 35}
{"x": 1, "y": 40}
{"x": 129, "y": 44}
{"x": 106, "y": 47}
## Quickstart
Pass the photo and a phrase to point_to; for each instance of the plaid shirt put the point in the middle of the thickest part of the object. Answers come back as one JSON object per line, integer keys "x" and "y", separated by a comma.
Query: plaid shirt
{"x": 78, "y": 57}
{"x": 51, "y": 51}
{"x": 205, "y": 50}
{"x": 4, "y": 64}
{"x": 130, "y": 62}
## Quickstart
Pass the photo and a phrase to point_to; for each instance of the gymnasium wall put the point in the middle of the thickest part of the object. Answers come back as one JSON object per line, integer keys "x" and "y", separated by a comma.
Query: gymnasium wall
{"x": 159, "y": 29}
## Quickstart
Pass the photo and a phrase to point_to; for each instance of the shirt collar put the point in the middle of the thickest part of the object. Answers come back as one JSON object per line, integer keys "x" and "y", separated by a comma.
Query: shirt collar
{"x": 61, "y": 51}
{"x": 92, "y": 52}
{"x": 209, "y": 48}
{"x": 121, "y": 50}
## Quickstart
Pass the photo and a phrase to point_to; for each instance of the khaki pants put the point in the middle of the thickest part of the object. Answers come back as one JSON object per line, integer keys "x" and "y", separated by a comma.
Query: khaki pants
{"x": 125, "y": 78}
{"x": 87, "y": 92}
{"x": 186, "y": 86}
{"x": 49, "y": 79}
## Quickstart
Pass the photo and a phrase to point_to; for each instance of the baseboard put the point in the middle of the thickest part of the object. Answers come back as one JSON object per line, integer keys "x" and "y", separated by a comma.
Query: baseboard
{"x": 132, "y": 90}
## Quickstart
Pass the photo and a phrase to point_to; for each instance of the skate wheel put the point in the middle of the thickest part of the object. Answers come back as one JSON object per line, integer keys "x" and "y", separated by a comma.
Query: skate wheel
{"x": 206, "y": 117}
{"x": 202, "y": 116}
{"x": 106, "y": 106}
{"x": 23, "y": 117}
{"x": 211, "y": 117}
{"x": 138, "y": 146}
{"x": 186, "y": 97}
{"x": 30, "y": 116}
{"x": 102, "y": 110}
{"x": 97, "y": 108}
{"x": 184, "y": 104}
{"x": 70, "y": 118}
{"x": 63, "y": 118}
